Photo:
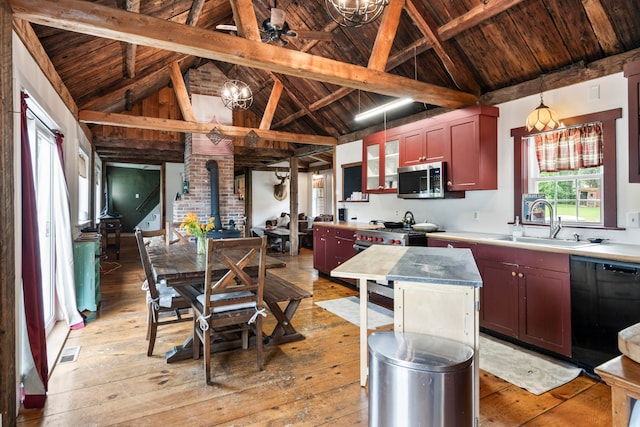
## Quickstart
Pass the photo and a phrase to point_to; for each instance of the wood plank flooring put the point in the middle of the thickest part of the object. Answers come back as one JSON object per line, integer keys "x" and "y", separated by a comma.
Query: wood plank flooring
{"x": 310, "y": 382}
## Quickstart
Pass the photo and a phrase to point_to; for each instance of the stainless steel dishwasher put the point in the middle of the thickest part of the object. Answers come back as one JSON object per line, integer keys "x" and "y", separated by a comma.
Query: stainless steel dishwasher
{"x": 605, "y": 298}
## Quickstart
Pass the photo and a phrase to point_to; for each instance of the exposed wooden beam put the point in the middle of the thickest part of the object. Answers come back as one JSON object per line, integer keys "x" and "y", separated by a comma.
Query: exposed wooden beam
{"x": 140, "y": 89}
{"x": 129, "y": 48}
{"x": 269, "y": 111}
{"x": 602, "y": 26}
{"x": 29, "y": 38}
{"x": 482, "y": 12}
{"x": 449, "y": 57}
{"x": 195, "y": 12}
{"x": 394, "y": 61}
{"x": 578, "y": 73}
{"x": 100, "y": 21}
{"x": 154, "y": 123}
{"x": 181, "y": 92}
{"x": 386, "y": 35}
{"x": 9, "y": 225}
{"x": 245, "y": 18}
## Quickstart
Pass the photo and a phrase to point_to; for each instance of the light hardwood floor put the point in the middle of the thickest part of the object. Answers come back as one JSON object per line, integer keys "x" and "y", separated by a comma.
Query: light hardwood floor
{"x": 310, "y": 382}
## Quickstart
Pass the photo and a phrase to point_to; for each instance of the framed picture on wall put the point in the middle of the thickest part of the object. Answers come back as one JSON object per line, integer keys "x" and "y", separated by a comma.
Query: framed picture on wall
{"x": 238, "y": 186}
{"x": 536, "y": 216}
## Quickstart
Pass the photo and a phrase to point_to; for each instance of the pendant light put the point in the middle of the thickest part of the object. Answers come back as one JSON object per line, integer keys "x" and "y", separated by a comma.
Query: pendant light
{"x": 236, "y": 95}
{"x": 354, "y": 13}
{"x": 542, "y": 118}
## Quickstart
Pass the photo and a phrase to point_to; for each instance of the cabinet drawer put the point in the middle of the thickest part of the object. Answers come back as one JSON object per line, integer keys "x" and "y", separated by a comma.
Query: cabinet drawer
{"x": 526, "y": 257}
{"x": 345, "y": 233}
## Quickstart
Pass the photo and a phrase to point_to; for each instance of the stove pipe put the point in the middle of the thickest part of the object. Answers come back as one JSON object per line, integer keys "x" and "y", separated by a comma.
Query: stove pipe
{"x": 214, "y": 183}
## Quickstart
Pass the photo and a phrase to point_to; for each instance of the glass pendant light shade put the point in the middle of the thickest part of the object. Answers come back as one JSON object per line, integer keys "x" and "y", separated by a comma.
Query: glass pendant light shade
{"x": 354, "y": 13}
{"x": 236, "y": 95}
{"x": 542, "y": 118}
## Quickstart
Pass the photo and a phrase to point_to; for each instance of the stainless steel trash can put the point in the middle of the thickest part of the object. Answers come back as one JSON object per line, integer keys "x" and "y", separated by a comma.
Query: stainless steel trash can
{"x": 419, "y": 380}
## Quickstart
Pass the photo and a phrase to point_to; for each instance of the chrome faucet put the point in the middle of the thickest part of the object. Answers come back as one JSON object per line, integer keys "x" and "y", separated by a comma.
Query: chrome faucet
{"x": 554, "y": 228}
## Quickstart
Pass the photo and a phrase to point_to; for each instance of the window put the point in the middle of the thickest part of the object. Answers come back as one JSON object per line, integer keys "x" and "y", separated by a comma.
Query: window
{"x": 83, "y": 187}
{"x": 317, "y": 194}
{"x": 574, "y": 193}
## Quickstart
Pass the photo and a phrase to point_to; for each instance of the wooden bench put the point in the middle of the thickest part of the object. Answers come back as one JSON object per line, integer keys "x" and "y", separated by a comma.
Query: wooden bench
{"x": 278, "y": 290}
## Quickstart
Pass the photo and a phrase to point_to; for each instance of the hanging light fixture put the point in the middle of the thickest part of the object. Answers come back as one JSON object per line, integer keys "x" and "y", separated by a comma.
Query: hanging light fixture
{"x": 354, "y": 13}
{"x": 542, "y": 118}
{"x": 236, "y": 95}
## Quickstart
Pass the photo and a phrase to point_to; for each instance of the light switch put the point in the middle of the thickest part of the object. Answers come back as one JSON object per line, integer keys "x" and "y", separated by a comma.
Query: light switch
{"x": 633, "y": 219}
{"x": 137, "y": 196}
{"x": 594, "y": 92}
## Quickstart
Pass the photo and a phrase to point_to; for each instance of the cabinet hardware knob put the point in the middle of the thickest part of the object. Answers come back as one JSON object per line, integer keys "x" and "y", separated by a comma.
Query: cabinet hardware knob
{"x": 513, "y": 274}
{"x": 520, "y": 275}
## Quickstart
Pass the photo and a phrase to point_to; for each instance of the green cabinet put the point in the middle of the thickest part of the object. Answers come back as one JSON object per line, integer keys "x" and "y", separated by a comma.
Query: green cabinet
{"x": 86, "y": 260}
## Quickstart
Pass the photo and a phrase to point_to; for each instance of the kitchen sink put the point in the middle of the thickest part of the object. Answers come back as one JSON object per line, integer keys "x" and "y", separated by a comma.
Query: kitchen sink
{"x": 545, "y": 241}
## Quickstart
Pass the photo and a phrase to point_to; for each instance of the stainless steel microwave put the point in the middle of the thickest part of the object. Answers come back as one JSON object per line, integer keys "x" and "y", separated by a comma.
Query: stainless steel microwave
{"x": 424, "y": 181}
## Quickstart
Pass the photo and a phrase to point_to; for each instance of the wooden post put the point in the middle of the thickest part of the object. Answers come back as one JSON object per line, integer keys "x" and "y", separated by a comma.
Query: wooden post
{"x": 248, "y": 202}
{"x": 293, "y": 200}
{"x": 7, "y": 227}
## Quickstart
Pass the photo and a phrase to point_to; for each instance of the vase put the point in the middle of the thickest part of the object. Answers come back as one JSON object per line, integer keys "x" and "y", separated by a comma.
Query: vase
{"x": 201, "y": 243}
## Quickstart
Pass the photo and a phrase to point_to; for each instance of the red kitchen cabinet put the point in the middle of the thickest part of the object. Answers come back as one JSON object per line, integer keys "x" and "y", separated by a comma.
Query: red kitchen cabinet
{"x": 498, "y": 297}
{"x": 436, "y": 143}
{"x": 323, "y": 238}
{"x": 380, "y": 163}
{"x": 331, "y": 247}
{"x": 472, "y": 157}
{"x": 525, "y": 294}
{"x": 423, "y": 145}
{"x": 413, "y": 149}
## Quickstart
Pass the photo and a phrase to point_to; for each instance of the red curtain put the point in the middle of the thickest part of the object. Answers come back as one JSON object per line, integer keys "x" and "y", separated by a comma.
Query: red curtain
{"x": 31, "y": 274}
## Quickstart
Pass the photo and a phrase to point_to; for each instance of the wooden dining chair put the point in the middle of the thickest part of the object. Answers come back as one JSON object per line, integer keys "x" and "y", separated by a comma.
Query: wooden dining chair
{"x": 232, "y": 301}
{"x": 160, "y": 298}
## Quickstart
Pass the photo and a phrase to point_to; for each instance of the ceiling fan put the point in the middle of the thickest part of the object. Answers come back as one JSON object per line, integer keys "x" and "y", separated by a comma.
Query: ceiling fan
{"x": 275, "y": 29}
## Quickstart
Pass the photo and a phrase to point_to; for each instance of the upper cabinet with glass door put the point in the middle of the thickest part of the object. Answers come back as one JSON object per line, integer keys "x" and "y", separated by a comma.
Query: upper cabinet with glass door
{"x": 381, "y": 164}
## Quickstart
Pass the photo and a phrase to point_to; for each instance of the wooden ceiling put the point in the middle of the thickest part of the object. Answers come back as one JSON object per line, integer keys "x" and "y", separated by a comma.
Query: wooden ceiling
{"x": 106, "y": 57}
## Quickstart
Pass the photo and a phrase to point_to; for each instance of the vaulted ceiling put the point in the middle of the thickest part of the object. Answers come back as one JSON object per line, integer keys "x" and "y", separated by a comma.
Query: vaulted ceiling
{"x": 110, "y": 54}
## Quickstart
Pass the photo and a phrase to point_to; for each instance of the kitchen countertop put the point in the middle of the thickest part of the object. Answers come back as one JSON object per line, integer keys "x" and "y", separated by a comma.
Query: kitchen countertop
{"x": 412, "y": 264}
{"x": 607, "y": 250}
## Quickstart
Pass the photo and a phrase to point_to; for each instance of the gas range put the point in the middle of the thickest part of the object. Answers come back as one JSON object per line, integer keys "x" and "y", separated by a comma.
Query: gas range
{"x": 390, "y": 236}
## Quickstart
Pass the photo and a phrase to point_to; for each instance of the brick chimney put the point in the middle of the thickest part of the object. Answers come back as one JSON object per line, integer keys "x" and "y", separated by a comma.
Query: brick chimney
{"x": 199, "y": 150}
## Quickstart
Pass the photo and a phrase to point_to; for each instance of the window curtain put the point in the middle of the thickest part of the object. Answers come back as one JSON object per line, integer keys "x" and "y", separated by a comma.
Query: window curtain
{"x": 65, "y": 276}
{"x": 35, "y": 395}
{"x": 570, "y": 149}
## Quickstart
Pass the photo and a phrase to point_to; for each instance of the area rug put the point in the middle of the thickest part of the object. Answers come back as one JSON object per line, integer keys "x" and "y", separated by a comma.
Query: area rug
{"x": 349, "y": 309}
{"x": 526, "y": 369}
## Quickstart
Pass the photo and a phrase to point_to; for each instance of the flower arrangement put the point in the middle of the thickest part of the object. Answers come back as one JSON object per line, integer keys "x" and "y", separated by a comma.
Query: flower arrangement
{"x": 195, "y": 228}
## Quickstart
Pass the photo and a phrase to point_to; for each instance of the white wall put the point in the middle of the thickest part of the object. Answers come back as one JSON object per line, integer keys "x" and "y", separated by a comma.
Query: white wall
{"x": 494, "y": 207}
{"x": 265, "y": 205}
{"x": 173, "y": 186}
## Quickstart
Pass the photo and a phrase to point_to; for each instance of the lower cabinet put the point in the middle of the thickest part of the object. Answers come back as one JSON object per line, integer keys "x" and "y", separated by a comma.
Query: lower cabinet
{"x": 526, "y": 295}
{"x": 331, "y": 247}
{"x": 86, "y": 261}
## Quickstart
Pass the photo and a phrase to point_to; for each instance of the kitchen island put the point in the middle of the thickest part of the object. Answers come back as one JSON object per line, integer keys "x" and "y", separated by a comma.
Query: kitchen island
{"x": 436, "y": 292}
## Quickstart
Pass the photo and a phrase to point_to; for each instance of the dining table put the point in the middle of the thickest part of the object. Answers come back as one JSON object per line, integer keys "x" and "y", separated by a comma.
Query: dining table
{"x": 181, "y": 267}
